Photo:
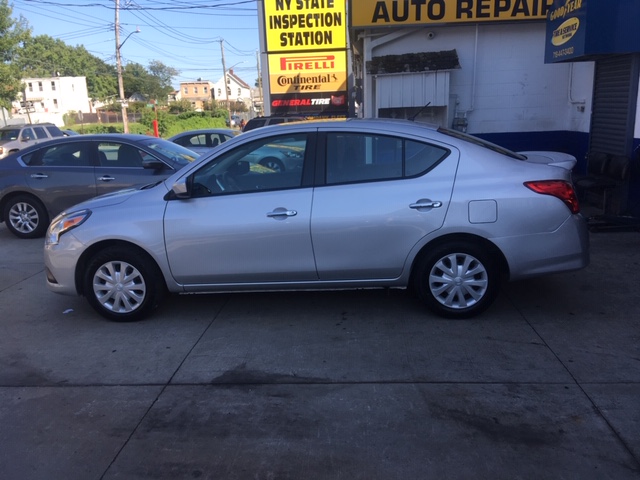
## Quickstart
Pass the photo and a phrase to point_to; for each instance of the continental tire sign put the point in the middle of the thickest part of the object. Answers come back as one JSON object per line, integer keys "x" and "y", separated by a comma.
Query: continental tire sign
{"x": 308, "y": 72}
{"x": 380, "y": 13}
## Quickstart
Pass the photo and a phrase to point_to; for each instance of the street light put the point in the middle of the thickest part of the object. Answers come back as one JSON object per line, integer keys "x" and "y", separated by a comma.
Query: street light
{"x": 123, "y": 103}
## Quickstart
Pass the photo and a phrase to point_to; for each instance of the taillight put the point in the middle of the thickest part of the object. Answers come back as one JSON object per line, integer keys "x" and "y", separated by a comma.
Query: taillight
{"x": 559, "y": 189}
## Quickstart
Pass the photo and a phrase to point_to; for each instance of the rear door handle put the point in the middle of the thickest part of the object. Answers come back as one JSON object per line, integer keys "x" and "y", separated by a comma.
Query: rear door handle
{"x": 39, "y": 175}
{"x": 106, "y": 178}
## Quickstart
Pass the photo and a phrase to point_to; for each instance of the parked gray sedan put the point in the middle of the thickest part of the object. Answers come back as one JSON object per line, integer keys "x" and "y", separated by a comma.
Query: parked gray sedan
{"x": 376, "y": 203}
{"x": 40, "y": 181}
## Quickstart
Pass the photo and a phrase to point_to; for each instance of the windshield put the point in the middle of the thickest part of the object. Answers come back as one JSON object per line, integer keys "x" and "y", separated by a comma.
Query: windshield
{"x": 480, "y": 142}
{"x": 177, "y": 153}
{"x": 11, "y": 134}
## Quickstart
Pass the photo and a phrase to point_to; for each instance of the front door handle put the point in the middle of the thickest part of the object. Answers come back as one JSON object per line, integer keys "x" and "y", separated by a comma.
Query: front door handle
{"x": 281, "y": 212}
{"x": 39, "y": 175}
{"x": 106, "y": 178}
{"x": 425, "y": 204}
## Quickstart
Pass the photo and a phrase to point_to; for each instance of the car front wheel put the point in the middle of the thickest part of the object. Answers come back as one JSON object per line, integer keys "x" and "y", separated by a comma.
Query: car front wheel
{"x": 457, "y": 280}
{"x": 122, "y": 284}
{"x": 26, "y": 217}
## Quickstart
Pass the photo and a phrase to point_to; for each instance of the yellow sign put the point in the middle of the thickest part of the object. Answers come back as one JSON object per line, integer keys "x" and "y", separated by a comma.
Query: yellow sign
{"x": 303, "y": 25}
{"x": 380, "y": 13}
{"x": 308, "y": 72}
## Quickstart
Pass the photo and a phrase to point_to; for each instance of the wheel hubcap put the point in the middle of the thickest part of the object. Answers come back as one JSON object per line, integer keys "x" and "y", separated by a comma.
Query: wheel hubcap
{"x": 119, "y": 287}
{"x": 458, "y": 281}
{"x": 23, "y": 217}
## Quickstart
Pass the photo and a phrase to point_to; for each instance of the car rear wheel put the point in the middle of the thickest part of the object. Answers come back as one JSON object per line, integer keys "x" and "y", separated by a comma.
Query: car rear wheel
{"x": 457, "y": 280}
{"x": 123, "y": 284}
{"x": 26, "y": 217}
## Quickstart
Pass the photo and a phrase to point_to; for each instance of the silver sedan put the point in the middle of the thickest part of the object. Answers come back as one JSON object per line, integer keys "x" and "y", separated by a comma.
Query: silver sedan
{"x": 375, "y": 203}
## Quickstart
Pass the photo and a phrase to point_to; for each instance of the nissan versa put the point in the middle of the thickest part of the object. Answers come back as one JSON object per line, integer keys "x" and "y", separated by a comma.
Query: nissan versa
{"x": 374, "y": 203}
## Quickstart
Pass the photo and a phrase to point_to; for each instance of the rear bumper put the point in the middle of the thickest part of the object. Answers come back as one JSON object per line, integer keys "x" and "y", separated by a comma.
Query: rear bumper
{"x": 562, "y": 250}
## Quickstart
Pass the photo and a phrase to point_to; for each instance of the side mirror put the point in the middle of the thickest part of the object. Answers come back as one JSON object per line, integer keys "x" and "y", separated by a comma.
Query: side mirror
{"x": 180, "y": 188}
{"x": 153, "y": 164}
{"x": 25, "y": 138}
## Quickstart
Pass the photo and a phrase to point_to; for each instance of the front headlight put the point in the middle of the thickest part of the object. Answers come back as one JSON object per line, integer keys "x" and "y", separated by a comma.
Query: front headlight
{"x": 63, "y": 223}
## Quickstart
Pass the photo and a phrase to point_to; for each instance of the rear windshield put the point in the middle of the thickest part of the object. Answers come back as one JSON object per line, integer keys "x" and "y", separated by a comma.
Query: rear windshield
{"x": 177, "y": 153}
{"x": 481, "y": 143}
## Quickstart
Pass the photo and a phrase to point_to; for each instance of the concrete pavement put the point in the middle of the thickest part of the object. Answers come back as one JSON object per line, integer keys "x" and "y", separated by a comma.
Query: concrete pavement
{"x": 325, "y": 385}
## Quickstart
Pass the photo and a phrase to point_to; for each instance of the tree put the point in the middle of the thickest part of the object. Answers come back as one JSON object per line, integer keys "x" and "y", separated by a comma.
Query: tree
{"x": 12, "y": 34}
{"x": 164, "y": 78}
{"x": 44, "y": 56}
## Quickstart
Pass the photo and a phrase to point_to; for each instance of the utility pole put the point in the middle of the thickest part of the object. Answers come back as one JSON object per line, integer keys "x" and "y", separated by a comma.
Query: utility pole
{"x": 259, "y": 83}
{"x": 226, "y": 88}
{"x": 123, "y": 104}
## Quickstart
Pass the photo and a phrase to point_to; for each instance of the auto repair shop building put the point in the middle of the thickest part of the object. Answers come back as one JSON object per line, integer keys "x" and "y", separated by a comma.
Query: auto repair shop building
{"x": 527, "y": 74}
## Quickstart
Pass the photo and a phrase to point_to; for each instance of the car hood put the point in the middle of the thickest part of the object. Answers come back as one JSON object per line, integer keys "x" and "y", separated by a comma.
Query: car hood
{"x": 557, "y": 159}
{"x": 113, "y": 198}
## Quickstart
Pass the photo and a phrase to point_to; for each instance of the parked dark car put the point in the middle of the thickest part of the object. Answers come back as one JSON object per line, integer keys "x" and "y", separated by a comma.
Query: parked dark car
{"x": 39, "y": 182}
{"x": 204, "y": 140}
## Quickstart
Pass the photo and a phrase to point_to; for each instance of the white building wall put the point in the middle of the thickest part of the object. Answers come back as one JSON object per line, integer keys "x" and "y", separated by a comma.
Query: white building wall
{"x": 504, "y": 84}
{"x": 52, "y": 97}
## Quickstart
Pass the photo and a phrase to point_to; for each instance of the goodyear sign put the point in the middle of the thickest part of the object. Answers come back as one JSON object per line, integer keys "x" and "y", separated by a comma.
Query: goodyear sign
{"x": 308, "y": 72}
{"x": 566, "y": 30}
{"x": 380, "y": 13}
{"x": 304, "y": 25}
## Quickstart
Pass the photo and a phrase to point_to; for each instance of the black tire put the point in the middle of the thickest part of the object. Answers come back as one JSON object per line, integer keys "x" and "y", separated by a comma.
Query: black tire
{"x": 457, "y": 280}
{"x": 123, "y": 301}
{"x": 26, "y": 217}
{"x": 272, "y": 163}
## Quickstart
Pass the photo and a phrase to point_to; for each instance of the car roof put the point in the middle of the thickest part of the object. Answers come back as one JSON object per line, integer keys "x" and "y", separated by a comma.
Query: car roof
{"x": 204, "y": 130}
{"x": 346, "y": 123}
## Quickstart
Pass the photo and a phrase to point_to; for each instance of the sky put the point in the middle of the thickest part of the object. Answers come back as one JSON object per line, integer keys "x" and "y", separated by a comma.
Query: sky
{"x": 189, "y": 36}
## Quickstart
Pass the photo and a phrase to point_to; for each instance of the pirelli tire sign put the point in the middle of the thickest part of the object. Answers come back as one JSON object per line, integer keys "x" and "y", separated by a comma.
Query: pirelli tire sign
{"x": 308, "y": 72}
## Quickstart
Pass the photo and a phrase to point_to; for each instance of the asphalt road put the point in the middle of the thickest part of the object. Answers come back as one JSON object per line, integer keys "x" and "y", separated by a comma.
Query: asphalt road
{"x": 325, "y": 385}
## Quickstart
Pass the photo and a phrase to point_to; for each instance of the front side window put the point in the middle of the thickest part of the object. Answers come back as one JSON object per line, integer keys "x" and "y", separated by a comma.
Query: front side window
{"x": 268, "y": 164}
{"x": 112, "y": 154}
{"x": 27, "y": 134}
{"x": 356, "y": 157}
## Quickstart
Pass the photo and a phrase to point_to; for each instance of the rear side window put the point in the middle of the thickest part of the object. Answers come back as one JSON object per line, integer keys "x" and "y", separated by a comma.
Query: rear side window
{"x": 54, "y": 131}
{"x": 355, "y": 157}
{"x": 66, "y": 155}
{"x": 40, "y": 133}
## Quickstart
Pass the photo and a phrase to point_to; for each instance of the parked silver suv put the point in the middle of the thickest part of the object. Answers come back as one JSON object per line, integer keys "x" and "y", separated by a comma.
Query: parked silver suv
{"x": 17, "y": 137}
